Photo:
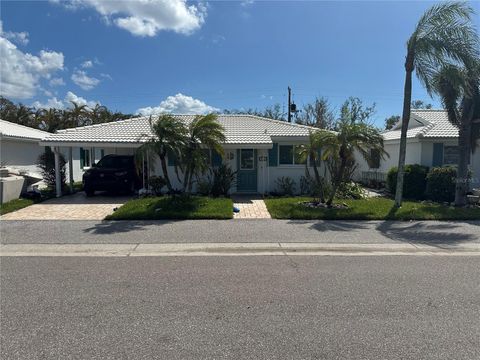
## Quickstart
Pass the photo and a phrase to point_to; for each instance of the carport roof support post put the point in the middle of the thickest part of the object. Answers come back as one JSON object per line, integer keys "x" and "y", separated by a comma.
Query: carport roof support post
{"x": 58, "y": 178}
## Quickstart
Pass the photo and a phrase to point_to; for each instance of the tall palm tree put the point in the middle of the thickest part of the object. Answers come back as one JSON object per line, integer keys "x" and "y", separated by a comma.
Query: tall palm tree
{"x": 340, "y": 148}
{"x": 443, "y": 33}
{"x": 203, "y": 132}
{"x": 169, "y": 137}
{"x": 459, "y": 89}
{"x": 79, "y": 114}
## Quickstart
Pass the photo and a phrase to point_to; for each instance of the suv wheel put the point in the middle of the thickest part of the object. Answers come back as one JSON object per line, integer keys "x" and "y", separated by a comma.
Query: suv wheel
{"x": 89, "y": 191}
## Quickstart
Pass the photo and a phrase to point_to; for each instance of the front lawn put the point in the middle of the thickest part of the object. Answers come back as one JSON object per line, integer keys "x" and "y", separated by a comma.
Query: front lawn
{"x": 178, "y": 207}
{"x": 368, "y": 209}
{"x": 14, "y": 205}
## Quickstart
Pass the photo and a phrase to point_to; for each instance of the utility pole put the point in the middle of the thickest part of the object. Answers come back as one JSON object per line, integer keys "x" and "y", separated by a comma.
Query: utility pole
{"x": 289, "y": 104}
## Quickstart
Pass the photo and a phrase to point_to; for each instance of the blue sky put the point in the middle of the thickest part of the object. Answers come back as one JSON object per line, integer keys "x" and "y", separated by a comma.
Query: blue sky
{"x": 188, "y": 57}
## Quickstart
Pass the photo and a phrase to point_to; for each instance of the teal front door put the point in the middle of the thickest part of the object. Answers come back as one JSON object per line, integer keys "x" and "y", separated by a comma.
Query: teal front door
{"x": 247, "y": 170}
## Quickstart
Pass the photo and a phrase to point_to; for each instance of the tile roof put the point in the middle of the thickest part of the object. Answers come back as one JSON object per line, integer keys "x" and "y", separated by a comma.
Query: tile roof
{"x": 429, "y": 124}
{"x": 12, "y": 130}
{"x": 239, "y": 129}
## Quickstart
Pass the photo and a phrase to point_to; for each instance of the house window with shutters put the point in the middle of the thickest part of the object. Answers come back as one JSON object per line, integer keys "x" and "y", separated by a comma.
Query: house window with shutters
{"x": 450, "y": 155}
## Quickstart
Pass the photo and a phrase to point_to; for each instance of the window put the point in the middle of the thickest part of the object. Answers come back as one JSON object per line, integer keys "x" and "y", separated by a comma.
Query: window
{"x": 290, "y": 155}
{"x": 246, "y": 159}
{"x": 374, "y": 161}
{"x": 450, "y": 155}
{"x": 85, "y": 158}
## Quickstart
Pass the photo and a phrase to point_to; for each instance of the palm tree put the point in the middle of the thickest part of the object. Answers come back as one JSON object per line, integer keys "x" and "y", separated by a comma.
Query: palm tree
{"x": 78, "y": 114}
{"x": 203, "y": 132}
{"x": 339, "y": 147}
{"x": 459, "y": 90}
{"x": 443, "y": 33}
{"x": 311, "y": 150}
{"x": 169, "y": 137}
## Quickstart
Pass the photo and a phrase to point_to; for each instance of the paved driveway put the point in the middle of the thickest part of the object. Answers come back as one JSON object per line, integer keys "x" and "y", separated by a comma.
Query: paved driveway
{"x": 74, "y": 207}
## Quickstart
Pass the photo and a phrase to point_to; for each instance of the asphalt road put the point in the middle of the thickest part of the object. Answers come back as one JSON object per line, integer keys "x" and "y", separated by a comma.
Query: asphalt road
{"x": 98, "y": 232}
{"x": 240, "y": 308}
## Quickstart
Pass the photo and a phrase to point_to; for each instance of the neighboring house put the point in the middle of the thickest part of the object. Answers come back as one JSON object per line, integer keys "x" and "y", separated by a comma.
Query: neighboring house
{"x": 261, "y": 150}
{"x": 431, "y": 141}
{"x": 19, "y": 148}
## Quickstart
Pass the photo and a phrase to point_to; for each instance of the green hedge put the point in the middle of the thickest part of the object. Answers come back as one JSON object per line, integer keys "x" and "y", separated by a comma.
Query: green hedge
{"x": 441, "y": 184}
{"x": 414, "y": 181}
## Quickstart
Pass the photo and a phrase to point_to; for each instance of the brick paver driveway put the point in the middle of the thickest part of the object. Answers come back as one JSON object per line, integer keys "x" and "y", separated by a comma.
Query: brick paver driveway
{"x": 72, "y": 207}
{"x": 251, "y": 207}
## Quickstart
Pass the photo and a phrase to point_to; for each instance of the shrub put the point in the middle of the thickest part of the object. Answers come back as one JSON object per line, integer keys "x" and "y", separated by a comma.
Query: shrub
{"x": 46, "y": 163}
{"x": 414, "y": 181}
{"x": 441, "y": 184}
{"x": 204, "y": 187}
{"x": 223, "y": 180}
{"x": 306, "y": 185}
{"x": 285, "y": 185}
{"x": 156, "y": 184}
{"x": 350, "y": 190}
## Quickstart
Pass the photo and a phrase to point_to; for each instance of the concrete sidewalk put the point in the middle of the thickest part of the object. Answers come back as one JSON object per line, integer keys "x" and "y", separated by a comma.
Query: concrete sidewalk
{"x": 436, "y": 233}
{"x": 236, "y": 249}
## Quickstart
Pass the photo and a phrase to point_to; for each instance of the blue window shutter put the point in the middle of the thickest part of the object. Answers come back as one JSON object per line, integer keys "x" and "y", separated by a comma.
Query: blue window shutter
{"x": 273, "y": 155}
{"x": 82, "y": 158}
{"x": 102, "y": 153}
{"x": 437, "y": 154}
{"x": 171, "y": 158}
{"x": 216, "y": 158}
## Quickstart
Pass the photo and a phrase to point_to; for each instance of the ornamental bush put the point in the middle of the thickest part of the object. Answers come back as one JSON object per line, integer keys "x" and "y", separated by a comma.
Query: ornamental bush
{"x": 441, "y": 184}
{"x": 414, "y": 181}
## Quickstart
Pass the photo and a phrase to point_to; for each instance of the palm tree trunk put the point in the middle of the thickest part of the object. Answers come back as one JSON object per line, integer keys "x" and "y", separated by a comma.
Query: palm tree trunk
{"x": 317, "y": 177}
{"x": 163, "y": 162}
{"x": 338, "y": 180}
{"x": 462, "y": 171}
{"x": 407, "y": 100}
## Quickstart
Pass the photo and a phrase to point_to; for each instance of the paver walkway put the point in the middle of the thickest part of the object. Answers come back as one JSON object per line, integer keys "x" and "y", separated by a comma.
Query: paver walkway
{"x": 251, "y": 207}
{"x": 73, "y": 207}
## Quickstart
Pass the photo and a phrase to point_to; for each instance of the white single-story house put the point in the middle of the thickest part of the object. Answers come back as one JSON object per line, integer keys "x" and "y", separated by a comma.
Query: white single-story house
{"x": 260, "y": 150}
{"x": 431, "y": 141}
{"x": 20, "y": 149}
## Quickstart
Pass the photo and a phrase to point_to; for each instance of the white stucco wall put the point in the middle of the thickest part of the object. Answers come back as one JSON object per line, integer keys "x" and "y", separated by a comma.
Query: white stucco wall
{"x": 20, "y": 154}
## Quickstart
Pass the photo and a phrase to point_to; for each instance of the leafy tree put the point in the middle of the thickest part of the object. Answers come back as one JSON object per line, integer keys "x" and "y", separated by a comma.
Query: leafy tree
{"x": 443, "y": 33}
{"x": 459, "y": 89}
{"x": 317, "y": 114}
{"x": 203, "y": 132}
{"x": 419, "y": 104}
{"x": 353, "y": 111}
{"x": 391, "y": 121}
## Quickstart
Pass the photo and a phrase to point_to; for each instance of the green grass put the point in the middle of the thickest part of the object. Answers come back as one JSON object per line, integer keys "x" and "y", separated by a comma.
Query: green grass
{"x": 368, "y": 209}
{"x": 14, "y": 205}
{"x": 179, "y": 207}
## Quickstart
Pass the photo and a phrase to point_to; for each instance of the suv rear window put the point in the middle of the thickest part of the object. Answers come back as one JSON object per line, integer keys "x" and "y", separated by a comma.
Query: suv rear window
{"x": 116, "y": 162}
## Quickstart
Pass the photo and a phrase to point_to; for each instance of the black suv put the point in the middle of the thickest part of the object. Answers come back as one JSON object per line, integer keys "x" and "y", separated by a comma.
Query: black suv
{"x": 111, "y": 173}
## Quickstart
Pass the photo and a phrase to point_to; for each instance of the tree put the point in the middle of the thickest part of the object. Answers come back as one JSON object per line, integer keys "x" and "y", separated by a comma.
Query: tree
{"x": 391, "y": 121}
{"x": 317, "y": 114}
{"x": 203, "y": 132}
{"x": 169, "y": 137}
{"x": 46, "y": 163}
{"x": 353, "y": 111}
{"x": 443, "y": 33}
{"x": 459, "y": 89}
{"x": 419, "y": 104}
{"x": 340, "y": 148}
{"x": 311, "y": 150}
{"x": 79, "y": 114}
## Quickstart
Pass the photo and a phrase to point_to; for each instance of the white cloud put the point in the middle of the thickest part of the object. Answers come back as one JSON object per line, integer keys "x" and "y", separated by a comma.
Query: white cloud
{"x": 86, "y": 82}
{"x": 87, "y": 64}
{"x": 147, "y": 17}
{"x": 65, "y": 103}
{"x": 179, "y": 104}
{"x": 20, "y": 73}
{"x": 71, "y": 97}
{"x": 20, "y": 38}
{"x": 56, "y": 82}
